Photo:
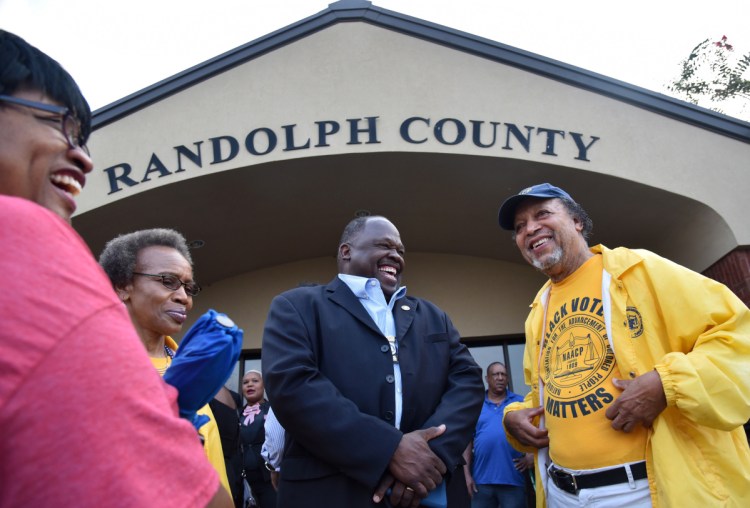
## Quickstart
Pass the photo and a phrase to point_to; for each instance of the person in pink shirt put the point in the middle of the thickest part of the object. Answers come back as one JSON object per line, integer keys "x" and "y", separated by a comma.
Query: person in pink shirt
{"x": 86, "y": 420}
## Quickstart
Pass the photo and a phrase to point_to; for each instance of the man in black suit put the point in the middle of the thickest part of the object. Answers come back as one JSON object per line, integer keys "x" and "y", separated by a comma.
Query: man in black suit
{"x": 373, "y": 387}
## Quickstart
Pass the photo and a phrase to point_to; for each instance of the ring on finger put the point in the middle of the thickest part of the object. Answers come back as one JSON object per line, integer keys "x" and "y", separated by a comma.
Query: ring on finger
{"x": 410, "y": 489}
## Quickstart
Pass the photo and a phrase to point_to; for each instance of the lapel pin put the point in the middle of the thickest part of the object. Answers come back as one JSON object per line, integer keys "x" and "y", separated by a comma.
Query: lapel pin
{"x": 405, "y": 307}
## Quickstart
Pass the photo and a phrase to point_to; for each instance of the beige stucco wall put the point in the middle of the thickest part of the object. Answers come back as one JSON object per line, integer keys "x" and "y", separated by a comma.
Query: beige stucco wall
{"x": 483, "y": 297}
{"x": 355, "y": 70}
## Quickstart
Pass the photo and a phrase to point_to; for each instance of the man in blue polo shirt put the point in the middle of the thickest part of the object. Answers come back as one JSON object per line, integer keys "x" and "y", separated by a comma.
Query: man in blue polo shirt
{"x": 494, "y": 469}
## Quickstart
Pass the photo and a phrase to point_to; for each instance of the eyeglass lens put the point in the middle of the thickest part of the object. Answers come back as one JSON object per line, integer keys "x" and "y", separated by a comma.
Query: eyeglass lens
{"x": 173, "y": 283}
{"x": 71, "y": 128}
{"x": 72, "y": 131}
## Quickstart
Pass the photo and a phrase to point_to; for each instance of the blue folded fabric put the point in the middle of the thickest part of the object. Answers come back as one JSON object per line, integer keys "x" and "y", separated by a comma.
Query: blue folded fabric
{"x": 199, "y": 421}
{"x": 204, "y": 361}
{"x": 435, "y": 499}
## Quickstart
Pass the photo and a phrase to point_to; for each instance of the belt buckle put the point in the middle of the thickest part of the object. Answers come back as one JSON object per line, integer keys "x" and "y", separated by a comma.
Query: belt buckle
{"x": 564, "y": 480}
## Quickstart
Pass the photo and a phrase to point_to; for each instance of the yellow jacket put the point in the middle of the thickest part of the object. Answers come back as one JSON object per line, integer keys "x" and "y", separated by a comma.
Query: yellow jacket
{"x": 696, "y": 333}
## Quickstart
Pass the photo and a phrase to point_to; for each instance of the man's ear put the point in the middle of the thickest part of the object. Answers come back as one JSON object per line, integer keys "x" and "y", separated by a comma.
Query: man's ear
{"x": 345, "y": 252}
{"x": 578, "y": 224}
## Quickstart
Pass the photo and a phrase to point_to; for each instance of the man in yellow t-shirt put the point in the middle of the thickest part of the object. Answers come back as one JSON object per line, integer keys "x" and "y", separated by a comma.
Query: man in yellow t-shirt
{"x": 635, "y": 366}
{"x": 578, "y": 373}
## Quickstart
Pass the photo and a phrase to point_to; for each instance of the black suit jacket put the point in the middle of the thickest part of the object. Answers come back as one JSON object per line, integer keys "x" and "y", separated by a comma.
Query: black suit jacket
{"x": 329, "y": 377}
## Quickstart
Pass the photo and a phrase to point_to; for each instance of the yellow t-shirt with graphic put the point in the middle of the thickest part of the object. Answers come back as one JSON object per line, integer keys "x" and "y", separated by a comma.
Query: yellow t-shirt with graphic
{"x": 577, "y": 366}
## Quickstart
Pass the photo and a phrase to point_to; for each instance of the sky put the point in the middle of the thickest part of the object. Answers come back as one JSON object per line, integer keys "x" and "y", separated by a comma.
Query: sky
{"x": 114, "y": 48}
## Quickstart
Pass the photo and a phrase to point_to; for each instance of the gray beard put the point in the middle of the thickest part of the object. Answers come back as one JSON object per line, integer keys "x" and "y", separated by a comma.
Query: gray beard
{"x": 549, "y": 261}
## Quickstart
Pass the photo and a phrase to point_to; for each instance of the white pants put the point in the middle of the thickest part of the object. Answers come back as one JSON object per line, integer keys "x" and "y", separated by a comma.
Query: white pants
{"x": 634, "y": 494}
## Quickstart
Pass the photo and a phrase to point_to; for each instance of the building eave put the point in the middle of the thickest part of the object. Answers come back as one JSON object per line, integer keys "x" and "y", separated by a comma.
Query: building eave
{"x": 363, "y": 11}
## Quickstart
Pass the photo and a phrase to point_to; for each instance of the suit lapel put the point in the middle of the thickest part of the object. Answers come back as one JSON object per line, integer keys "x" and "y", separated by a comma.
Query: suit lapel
{"x": 403, "y": 314}
{"x": 340, "y": 294}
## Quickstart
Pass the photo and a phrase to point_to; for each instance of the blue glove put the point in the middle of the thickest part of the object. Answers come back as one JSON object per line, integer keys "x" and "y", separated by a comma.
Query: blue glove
{"x": 203, "y": 362}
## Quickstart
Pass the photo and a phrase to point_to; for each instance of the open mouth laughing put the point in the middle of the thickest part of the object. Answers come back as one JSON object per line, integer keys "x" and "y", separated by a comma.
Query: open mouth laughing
{"x": 539, "y": 243}
{"x": 391, "y": 272}
{"x": 68, "y": 181}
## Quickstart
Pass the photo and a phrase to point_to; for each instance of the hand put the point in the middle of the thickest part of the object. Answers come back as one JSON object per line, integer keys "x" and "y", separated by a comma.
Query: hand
{"x": 641, "y": 401}
{"x": 400, "y": 494}
{"x": 275, "y": 480}
{"x": 524, "y": 463}
{"x": 470, "y": 485}
{"x": 520, "y": 424}
{"x": 414, "y": 465}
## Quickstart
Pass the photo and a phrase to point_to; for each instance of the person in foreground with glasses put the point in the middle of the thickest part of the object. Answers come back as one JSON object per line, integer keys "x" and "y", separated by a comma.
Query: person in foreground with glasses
{"x": 115, "y": 424}
{"x": 43, "y": 142}
{"x": 152, "y": 273}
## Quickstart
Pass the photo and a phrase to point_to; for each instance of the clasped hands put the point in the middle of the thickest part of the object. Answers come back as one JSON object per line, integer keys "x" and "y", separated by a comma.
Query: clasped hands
{"x": 414, "y": 469}
{"x": 641, "y": 401}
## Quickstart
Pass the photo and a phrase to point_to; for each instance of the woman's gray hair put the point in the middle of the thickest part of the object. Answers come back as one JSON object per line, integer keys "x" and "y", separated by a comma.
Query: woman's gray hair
{"x": 121, "y": 253}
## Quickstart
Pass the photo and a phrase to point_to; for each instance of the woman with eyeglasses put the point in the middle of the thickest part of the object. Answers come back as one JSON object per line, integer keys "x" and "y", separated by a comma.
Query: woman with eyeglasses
{"x": 113, "y": 425}
{"x": 45, "y": 123}
{"x": 152, "y": 273}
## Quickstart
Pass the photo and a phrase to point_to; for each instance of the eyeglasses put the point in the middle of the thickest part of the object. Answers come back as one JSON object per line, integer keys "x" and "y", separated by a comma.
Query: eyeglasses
{"x": 174, "y": 283}
{"x": 69, "y": 125}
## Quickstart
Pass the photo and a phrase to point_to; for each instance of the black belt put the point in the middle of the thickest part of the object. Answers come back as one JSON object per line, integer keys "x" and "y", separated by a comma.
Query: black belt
{"x": 572, "y": 483}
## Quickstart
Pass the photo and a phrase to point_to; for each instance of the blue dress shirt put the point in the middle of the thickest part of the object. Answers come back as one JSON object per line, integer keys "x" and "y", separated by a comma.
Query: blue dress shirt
{"x": 371, "y": 297}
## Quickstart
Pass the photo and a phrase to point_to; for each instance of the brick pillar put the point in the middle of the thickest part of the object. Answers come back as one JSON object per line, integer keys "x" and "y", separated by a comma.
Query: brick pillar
{"x": 733, "y": 270}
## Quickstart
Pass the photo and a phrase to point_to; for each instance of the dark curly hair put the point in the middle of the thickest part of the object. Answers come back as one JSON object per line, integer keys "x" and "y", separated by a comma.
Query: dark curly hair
{"x": 120, "y": 254}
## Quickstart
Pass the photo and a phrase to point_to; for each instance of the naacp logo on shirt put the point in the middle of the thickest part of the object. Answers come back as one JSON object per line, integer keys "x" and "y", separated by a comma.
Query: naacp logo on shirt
{"x": 577, "y": 359}
{"x": 635, "y": 322}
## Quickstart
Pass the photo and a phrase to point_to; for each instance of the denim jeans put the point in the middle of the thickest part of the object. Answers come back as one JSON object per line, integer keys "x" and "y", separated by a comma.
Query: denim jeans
{"x": 499, "y": 496}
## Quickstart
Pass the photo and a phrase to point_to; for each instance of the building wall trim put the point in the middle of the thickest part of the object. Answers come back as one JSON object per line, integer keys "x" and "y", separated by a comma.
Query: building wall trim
{"x": 363, "y": 11}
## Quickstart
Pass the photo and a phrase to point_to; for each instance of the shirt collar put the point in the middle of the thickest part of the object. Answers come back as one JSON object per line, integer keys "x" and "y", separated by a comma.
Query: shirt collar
{"x": 505, "y": 400}
{"x": 360, "y": 285}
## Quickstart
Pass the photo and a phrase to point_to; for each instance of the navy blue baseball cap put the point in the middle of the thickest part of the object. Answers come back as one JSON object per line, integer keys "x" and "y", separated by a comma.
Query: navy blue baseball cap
{"x": 507, "y": 213}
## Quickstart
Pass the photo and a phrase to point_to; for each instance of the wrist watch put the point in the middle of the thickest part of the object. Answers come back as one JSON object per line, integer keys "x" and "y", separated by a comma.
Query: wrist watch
{"x": 270, "y": 467}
